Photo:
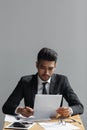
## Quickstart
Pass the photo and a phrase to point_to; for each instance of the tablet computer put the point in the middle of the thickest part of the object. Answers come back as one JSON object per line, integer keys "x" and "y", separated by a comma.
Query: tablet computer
{"x": 20, "y": 125}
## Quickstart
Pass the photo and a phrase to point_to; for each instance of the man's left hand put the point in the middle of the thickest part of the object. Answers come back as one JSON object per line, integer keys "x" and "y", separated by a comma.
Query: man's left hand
{"x": 64, "y": 111}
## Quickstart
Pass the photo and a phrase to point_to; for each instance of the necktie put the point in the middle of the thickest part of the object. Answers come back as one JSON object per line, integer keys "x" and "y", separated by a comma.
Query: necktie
{"x": 44, "y": 88}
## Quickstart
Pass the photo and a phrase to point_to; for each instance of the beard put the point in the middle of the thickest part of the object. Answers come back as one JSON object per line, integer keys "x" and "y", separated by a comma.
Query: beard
{"x": 45, "y": 77}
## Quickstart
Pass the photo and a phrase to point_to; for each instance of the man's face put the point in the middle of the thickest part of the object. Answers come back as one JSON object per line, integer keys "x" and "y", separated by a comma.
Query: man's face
{"x": 45, "y": 69}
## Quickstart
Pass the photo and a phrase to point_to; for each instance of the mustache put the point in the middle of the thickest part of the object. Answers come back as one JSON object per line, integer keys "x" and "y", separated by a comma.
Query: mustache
{"x": 46, "y": 75}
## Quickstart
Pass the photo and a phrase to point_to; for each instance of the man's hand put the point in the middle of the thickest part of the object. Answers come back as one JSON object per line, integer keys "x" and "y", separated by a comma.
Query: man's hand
{"x": 26, "y": 111}
{"x": 64, "y": 111}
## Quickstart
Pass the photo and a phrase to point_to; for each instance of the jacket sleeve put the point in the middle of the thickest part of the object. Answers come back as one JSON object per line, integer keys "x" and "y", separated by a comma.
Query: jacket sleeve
{"x": 14, "y": 99}
{"x": 72, "y": 98}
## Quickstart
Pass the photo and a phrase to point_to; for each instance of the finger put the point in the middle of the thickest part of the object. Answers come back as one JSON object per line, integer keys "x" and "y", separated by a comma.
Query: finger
{"x": 62, "y": 109}
{"x": 26, "y": 113}
{"x": 64, "y": 112}
{"x": 29, "y": 109}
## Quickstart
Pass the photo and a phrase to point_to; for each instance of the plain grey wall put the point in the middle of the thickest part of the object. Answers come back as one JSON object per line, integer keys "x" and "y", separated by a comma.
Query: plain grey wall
{"x": 28, "y": 25}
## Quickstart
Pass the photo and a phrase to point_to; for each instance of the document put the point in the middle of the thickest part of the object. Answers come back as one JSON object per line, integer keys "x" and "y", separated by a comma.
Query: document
{"x": 10, "y": 118}
{"x": 46, "y": 105}
{"x": 56, "y": 126}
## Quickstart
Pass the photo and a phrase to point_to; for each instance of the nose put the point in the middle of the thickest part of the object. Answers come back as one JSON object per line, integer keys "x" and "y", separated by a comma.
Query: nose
{"x": 46, "y": 71}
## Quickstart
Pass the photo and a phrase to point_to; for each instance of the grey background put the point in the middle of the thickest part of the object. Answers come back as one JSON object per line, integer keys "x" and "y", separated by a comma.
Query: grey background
{"x": 28, "y": 25}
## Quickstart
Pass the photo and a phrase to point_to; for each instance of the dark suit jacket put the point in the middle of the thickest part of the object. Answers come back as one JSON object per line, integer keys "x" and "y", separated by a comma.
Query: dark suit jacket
{"x": 27, "y": 88}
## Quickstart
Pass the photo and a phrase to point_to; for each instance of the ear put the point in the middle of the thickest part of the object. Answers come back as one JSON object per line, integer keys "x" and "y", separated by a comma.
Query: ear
{"x": 36, "y": 64}
{"x": 55, "y": 65}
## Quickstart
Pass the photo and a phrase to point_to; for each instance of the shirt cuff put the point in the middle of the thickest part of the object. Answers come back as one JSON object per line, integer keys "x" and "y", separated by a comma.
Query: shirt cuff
{"x": 71, "y": 111}
{"x": 16, "y": 110}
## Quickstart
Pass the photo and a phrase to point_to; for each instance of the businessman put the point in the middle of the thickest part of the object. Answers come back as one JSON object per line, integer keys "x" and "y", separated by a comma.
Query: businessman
{"x": 30, "y": 85}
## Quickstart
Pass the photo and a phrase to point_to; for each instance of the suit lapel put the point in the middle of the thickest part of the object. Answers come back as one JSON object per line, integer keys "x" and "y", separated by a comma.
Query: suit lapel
{"x": 52, "y": 85}
{"x": 34, "y": 88}
{"x": 34, "y": 84}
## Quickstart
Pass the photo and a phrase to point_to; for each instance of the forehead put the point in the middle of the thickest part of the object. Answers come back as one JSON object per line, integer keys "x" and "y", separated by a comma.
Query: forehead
{"x": 47, "y": 63}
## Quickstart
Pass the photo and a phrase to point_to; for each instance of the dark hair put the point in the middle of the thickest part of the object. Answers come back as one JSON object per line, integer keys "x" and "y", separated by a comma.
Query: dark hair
{"x": 47, "y": 54}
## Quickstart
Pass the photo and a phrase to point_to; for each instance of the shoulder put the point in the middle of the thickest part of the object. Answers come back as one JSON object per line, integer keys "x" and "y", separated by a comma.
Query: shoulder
{"x": 28, "y": 78}
{"x": 59, "y": 76}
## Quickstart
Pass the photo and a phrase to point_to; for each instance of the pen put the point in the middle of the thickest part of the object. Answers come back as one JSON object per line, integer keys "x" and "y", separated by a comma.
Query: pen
{"x": 75, "y": 120}
{"x": 58, "y": 116}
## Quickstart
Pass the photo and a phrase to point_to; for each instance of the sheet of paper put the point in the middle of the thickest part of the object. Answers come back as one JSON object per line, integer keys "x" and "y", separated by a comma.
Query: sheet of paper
{"x": 18, "y": 118}
{"x": 10, "y": 118}
{"x": 46, "y": 105}
{"x": 56, "y": 126}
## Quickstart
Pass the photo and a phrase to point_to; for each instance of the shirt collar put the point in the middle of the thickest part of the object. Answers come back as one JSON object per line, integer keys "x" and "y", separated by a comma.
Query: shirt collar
{"x": 41, "y": 81}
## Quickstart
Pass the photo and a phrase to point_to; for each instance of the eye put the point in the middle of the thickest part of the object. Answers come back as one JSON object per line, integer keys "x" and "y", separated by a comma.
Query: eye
{"x": 42, "y": 67}
{"x": 50, "y": 69}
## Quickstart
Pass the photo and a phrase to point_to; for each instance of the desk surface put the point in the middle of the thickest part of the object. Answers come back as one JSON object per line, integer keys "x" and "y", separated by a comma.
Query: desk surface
{"x": 37, "y": 127}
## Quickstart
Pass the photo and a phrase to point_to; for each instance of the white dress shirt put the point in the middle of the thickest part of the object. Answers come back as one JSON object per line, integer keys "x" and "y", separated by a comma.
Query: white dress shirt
{"x": 40, "y": 85}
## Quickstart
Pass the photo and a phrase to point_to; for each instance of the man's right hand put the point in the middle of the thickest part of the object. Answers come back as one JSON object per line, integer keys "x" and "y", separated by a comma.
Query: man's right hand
{"x": 26, "y": 111}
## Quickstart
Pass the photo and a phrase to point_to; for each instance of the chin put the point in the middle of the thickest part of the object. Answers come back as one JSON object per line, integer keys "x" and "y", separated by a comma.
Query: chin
{"x": 45, "y": 79}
